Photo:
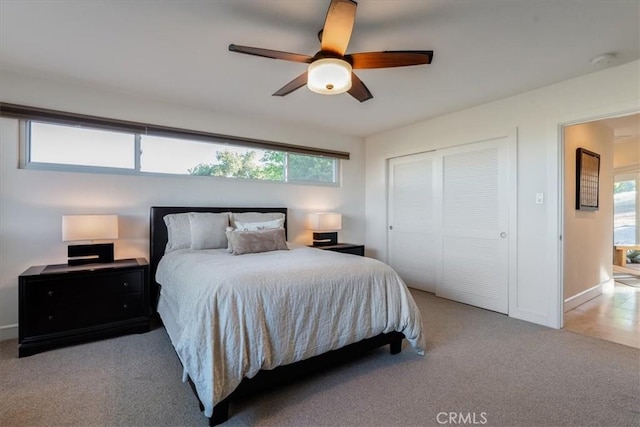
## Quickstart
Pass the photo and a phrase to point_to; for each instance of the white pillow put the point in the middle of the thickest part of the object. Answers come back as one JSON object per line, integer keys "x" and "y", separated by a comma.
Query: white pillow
{"x": 208, "y": 230}
{"x": 178, "y": 231}
{"x": 255, "y": 226}
{"x": 255, "y": 217}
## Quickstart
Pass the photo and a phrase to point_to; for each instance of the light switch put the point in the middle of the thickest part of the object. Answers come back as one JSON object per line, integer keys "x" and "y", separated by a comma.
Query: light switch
{"x": 539, "y": 198}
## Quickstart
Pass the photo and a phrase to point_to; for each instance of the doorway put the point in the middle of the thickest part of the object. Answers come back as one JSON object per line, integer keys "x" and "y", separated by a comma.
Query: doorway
{"x": 595, "y": 303}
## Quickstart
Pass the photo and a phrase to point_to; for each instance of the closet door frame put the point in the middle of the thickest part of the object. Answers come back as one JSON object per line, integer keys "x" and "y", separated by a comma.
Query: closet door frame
{"x": 470, "y": 138}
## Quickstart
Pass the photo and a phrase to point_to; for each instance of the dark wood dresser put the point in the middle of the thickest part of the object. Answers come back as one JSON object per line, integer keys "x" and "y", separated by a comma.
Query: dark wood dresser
{"x": 62, "y": 304}
{"x": 345, "y": 248}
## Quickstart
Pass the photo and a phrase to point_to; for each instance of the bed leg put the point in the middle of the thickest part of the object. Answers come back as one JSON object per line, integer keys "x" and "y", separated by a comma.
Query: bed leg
{"x": 396, "y": 346}
{"x": 195, "y": 392}
{"x": 220, "y": 413}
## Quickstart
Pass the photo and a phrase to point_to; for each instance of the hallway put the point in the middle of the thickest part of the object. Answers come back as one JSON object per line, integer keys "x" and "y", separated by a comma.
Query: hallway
{"x": 612, "y": 316}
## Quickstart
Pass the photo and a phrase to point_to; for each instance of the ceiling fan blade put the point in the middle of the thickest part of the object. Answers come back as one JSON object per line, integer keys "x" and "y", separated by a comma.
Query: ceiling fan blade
{"x": 388, "y": 59}
{"x": 273, "y": 54}
{"x": 294, "y": 84}
{"x": 358, "y": 90}
{"x": 338, "y": 26}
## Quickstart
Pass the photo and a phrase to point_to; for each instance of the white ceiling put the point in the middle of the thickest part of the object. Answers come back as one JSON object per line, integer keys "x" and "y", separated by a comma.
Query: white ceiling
{"x": 177, "y": 51}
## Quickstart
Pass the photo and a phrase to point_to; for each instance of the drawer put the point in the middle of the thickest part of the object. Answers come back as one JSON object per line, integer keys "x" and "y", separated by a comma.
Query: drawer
{"x": 85, "y": 288}
{"x": 353, "y": 250}
{"x": 69, "y": 315}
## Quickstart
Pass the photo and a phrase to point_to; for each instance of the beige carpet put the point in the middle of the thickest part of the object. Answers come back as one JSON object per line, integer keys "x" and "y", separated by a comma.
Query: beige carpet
{"x": 505, "y": 371}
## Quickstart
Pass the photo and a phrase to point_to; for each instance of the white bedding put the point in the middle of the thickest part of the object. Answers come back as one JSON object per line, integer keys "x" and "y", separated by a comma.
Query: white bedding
{"x": 236, "y": 315}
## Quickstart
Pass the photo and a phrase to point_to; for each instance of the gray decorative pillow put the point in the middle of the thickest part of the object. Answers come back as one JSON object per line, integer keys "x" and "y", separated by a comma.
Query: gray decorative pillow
{"x": 227, "y": 233}
{"x": 208, "y": 230}
{"x": 249, "y": 242}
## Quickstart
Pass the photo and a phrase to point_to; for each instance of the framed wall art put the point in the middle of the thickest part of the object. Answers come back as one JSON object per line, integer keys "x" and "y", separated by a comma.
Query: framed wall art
{"x": 587, "y": 180}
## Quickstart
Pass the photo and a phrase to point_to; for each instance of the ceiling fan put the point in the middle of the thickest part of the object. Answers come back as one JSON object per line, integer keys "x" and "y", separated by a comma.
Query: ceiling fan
{"x": 330, "y": 71}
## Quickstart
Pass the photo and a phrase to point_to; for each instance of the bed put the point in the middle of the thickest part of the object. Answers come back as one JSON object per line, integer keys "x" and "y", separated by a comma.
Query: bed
{"x": 241, "y": 323}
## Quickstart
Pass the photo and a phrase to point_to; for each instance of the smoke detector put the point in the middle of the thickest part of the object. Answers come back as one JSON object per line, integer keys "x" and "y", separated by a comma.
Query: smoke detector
{"x": 604, "y": 59}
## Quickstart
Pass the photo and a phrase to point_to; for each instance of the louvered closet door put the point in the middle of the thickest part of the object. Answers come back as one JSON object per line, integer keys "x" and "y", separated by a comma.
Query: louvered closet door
{"x": 411, "y": 231}
{"x": 474, "y": 244}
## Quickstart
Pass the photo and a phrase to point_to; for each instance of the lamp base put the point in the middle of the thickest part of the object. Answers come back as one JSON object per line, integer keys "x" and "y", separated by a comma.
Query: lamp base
{"x": 325, "y": 239}
{"x": 99, "y": 253}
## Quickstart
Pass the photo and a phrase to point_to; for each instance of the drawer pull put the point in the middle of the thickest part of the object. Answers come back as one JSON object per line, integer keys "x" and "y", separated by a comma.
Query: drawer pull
{"x": 124, "y": 306}
{"x": 125, "y": 284}
{"x": 50, "y": 293}
{"x": 50, "y": 318}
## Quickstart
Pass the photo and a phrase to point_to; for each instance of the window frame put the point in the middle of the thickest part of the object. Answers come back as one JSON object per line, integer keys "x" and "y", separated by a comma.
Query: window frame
{"x": 629, "y": 174}
{"x": 137, "y": 130}
{"x": 25, "y": 161}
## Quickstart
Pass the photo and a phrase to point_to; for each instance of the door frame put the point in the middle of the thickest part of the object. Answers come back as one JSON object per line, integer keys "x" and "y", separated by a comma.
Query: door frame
{"x": 557, "y": 301}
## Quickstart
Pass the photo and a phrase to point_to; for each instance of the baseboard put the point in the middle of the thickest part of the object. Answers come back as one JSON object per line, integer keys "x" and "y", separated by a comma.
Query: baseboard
{"x": 584, "y": 296}
{"x": 8, "y": 332}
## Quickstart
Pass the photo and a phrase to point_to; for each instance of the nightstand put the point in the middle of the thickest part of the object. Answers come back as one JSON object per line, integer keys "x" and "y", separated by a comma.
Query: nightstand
{"x": 62, "y": 304}
{"x": 346, "y": 248}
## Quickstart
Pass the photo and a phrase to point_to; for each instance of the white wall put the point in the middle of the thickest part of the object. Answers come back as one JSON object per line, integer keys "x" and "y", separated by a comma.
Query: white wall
{"x": 537, "y": 115}
{"x": 626, "y": 154}
{"x": 32, "y": 202}
{"x": 588, "y": 235}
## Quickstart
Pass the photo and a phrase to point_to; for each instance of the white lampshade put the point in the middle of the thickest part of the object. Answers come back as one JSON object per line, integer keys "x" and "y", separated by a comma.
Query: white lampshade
{"x": 329, "y": 76}
{"x": 89, "y": 227}
{"x": 325, "y": 221}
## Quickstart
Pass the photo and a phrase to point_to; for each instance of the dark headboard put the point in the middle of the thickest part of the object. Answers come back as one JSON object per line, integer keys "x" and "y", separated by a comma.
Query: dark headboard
{"x": 158, "y": 234}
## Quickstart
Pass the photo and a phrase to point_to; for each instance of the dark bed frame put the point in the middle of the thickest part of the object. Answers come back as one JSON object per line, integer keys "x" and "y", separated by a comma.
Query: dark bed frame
{"x": 265, "y": 379}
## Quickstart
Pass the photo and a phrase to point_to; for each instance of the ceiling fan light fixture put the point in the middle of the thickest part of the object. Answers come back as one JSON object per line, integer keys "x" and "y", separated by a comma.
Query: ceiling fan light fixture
{"x": 329, "y": 76}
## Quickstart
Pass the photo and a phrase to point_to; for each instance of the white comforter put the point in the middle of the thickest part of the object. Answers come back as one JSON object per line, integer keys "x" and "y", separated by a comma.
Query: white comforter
{"x": 241, "y": 314}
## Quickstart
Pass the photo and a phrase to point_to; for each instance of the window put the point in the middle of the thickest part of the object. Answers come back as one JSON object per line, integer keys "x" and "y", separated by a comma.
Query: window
{"x": 311, "y": 169}
{"x": 88, "y": 149}
{"x": 79, "y": 146}
{"x": 625, "y": 209}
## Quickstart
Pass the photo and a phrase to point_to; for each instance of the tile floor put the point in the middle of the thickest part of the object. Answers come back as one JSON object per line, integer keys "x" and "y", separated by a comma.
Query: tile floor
{"x": 612, "y": 316}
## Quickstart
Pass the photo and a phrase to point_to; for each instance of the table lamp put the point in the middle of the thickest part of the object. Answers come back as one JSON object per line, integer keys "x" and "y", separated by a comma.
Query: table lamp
{"x": 89, "y": 228}
{"x": 325, "y": 226}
